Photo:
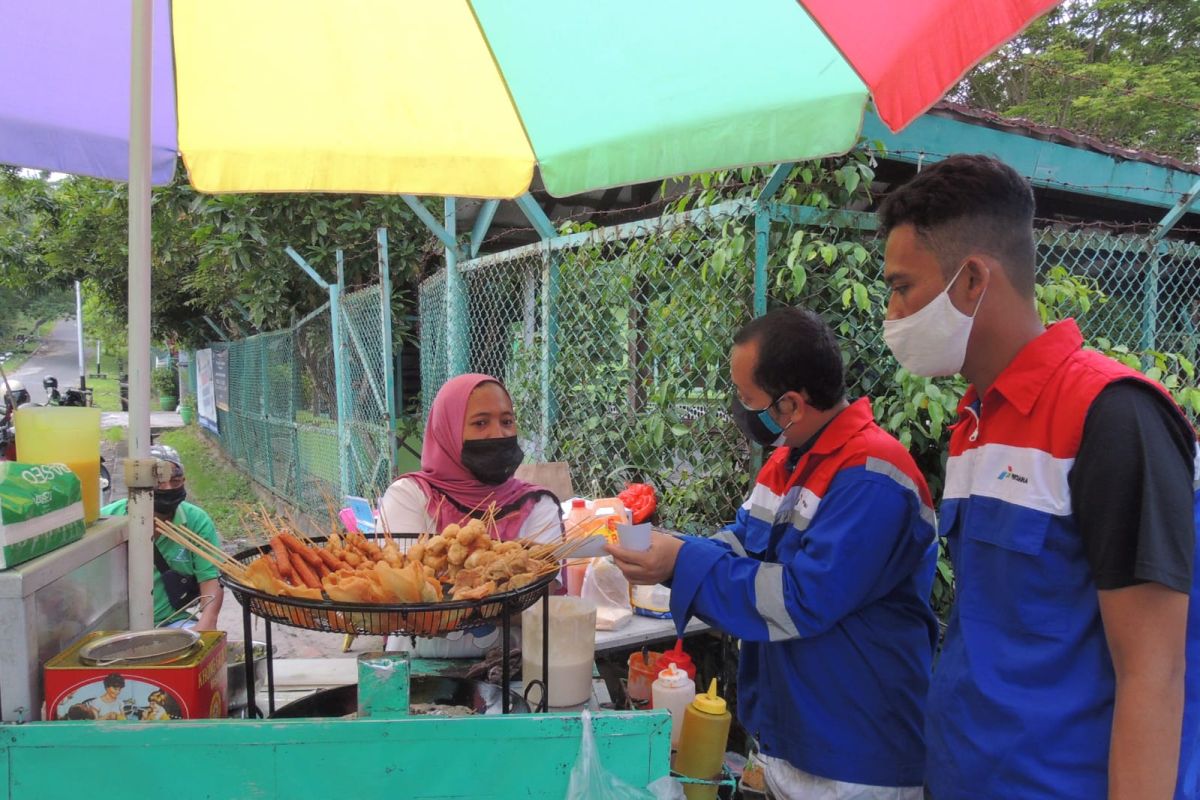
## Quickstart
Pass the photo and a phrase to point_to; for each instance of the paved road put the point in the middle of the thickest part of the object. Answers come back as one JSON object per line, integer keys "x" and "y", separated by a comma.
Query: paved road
{"x": 58, "y": 356}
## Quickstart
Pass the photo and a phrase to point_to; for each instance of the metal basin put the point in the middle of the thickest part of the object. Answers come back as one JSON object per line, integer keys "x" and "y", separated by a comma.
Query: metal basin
{"x": 483, "y": 698}
{"x": 235, "y": 671}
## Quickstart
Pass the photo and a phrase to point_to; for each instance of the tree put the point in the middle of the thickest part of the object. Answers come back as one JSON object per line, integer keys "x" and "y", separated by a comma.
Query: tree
{"x": 1127, "y": 71}
{"x": 207, "y": 251}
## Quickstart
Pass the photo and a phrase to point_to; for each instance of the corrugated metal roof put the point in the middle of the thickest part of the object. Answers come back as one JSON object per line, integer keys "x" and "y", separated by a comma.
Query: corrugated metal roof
{"x": 1051, "y": 133}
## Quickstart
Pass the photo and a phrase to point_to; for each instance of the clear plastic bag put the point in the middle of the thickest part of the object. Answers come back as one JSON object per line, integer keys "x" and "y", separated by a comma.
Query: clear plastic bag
{"x": 591, "y": 781}
{"x": 604, "y": 585}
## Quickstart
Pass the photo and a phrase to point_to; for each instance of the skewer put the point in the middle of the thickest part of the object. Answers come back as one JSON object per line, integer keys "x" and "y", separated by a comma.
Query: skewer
{"x": 478, "y": 506}
{"x": 227, "y": 565}
{"x": 195, "y": 538}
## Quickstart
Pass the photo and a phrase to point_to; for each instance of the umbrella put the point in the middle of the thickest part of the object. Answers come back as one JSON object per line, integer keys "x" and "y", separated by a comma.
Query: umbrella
{"x": 455, "y": 98}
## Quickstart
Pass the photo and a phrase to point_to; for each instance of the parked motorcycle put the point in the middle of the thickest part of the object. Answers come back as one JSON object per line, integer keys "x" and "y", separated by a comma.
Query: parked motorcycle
{"x": 79, "y": 398}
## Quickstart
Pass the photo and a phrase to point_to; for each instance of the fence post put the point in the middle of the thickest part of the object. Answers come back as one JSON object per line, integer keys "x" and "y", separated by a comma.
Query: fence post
{"x": 389, "y": 362}
{"x": 264, "y": 390}
{"x": 549, "y": 344}
{"x": 1150, "y": 297}
{"x": 341, "y": 381}
{"x": 458, "y": 352}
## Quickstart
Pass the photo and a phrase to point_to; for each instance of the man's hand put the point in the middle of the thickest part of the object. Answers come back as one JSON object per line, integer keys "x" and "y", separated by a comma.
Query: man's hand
{"x": 648, "y": 566}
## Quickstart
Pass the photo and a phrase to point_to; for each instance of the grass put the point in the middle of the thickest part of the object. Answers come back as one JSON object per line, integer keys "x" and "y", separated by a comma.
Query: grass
{"x": 106, "y": 394}
{"x": 211, "y": 483}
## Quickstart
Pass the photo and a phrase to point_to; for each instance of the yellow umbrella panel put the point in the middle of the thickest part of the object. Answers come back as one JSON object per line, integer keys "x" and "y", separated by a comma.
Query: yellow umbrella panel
{"x": 383, "y": 96}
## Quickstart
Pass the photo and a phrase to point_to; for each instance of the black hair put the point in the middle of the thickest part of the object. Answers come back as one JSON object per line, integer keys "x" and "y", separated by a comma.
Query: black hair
{"x": 797, "y": 352}
{"x": 965, "y": 204}
{"x": 114, "y": 680}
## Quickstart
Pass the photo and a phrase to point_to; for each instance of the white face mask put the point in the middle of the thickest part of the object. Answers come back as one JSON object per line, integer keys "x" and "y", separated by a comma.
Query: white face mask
{"x": 932, "y": 342}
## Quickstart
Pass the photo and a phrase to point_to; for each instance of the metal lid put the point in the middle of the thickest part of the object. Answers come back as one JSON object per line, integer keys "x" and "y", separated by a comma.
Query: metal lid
{"x": 139, "y": 647}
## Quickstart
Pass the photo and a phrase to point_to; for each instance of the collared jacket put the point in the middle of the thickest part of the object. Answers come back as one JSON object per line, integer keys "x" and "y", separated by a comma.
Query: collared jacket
{"x": 825, "y": 576}
{"x": 1022, "y": 697}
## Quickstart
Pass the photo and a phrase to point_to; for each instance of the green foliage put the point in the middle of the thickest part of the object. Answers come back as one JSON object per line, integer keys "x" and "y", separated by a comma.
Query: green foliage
{"x": 207, "y": 251}
{"x": 165, "y": 381}
{"x": 1124, "y": 70}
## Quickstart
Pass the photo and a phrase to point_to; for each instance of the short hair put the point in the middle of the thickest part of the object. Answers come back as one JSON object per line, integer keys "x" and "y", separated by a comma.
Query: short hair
{"x": 965, "y": 204}
{"x": 114, "y": 680}
{"x": 797, "y": 352}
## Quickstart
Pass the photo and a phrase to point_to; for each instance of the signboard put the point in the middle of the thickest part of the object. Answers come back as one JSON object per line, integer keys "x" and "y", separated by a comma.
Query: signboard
{"x": 221, "y": 378}
{"x": 206, "y": 401}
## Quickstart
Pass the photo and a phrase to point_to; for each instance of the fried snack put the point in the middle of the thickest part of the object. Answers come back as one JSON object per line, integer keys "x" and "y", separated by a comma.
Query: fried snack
{"x": 477, "y": 593}
{"x": 404, "y": 584}
{"x": 353, "y": 588}
{"x": 457, "y": 554}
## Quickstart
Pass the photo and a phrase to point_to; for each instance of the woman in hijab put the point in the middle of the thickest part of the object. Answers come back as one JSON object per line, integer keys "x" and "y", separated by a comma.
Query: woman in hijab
{"x": 467, "y": 463}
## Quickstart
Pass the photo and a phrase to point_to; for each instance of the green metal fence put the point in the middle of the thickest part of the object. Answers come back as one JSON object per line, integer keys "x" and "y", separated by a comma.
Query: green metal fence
{"x": 614, "y": 342}
{"x": 311, "y": 409}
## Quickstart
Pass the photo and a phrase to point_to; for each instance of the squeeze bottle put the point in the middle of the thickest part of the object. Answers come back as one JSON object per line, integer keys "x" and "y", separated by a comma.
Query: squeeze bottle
{"x": 676, "y": 655}
{"x": 702, "y": 742}
{"x": 674, "y": 691}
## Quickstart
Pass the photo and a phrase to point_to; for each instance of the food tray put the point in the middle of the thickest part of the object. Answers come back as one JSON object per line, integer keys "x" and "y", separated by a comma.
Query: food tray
{"x": 380, "y": 619}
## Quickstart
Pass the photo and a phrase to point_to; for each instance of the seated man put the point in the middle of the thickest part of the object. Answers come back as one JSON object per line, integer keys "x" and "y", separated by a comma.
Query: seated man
{"x": 187, "y": 576}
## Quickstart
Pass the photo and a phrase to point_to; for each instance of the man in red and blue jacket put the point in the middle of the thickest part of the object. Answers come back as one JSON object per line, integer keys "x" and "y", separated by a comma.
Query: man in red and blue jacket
{"x": 1071, "y": 666}
{"x": 825, "y": 575}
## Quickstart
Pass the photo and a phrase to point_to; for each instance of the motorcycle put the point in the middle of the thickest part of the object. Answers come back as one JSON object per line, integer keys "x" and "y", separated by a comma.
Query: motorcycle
{"x": 80, "y": 398}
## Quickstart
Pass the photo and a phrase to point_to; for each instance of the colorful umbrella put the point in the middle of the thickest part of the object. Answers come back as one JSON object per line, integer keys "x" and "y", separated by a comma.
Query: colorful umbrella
{"x": 449, "y": 97}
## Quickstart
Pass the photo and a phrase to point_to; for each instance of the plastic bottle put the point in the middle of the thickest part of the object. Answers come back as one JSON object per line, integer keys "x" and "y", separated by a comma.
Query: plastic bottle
{"x": 674, "y": 691}
{"x": 641, "y": 675}
{"x": 676, "y": 655}
{"x": 702, "y": 742}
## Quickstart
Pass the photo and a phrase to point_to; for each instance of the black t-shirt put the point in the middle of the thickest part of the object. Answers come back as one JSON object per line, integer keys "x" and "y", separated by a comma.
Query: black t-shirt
{"x": 1132, "y": 489}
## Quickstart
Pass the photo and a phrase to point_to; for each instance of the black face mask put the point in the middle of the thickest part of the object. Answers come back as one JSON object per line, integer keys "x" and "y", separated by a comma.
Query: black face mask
{"x": 492, "y": 461}
{"x": 753, "y": 425}
{"x": 167, "y": 500}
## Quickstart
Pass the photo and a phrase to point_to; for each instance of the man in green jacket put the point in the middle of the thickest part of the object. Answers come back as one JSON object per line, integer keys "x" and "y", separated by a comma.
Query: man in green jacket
{"x": 190, "y": 575}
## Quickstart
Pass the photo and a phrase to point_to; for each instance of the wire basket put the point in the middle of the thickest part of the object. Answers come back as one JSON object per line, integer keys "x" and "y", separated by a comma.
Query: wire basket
{"x": 380, "y": 619}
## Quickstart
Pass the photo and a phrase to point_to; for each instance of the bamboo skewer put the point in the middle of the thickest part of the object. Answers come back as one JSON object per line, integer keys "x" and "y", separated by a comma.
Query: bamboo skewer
{"x": 188, "y": 540}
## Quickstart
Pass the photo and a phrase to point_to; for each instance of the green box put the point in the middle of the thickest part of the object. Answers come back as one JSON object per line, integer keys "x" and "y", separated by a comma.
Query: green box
{"x": 41, "y": 509}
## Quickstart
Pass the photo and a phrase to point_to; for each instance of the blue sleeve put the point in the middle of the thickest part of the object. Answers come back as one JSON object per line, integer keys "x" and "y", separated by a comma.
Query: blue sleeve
{"x": 869, "y": 534}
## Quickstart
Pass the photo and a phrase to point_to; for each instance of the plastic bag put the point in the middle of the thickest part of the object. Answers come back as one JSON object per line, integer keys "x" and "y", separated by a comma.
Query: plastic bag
{"x": 591, "y": 781}
{"x": 604, "y": 585}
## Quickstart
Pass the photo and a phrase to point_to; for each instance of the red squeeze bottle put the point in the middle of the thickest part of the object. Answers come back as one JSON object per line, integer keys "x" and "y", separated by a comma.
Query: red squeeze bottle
{"x": 677, "y": 657}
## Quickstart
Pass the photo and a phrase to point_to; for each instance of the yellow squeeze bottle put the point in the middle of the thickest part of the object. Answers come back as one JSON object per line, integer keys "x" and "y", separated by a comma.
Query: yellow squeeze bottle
{"x": 702, "y": 742}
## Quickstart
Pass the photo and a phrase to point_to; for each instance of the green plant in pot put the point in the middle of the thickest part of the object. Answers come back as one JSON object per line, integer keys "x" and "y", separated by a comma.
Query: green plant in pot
{"x": 166, "y": 384}
{"x": 187, "y": 410}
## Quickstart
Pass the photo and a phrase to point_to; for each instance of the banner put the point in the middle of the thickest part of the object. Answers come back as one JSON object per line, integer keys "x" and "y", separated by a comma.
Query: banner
{"x": 206, "y": 405}
{"x": 221, "y": 378}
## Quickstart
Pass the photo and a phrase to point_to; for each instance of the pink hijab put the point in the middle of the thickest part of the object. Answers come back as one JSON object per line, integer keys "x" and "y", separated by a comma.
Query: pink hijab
{"x": 449, "y": 486}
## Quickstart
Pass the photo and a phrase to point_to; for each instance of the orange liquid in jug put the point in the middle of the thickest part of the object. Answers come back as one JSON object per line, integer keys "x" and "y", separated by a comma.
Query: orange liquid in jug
{"x": 88, "y": 473}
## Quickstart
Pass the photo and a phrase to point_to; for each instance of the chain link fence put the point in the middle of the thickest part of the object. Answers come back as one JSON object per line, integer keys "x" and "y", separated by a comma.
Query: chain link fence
{"x": 308, "y": 413}
{"x": 614, "y": 342}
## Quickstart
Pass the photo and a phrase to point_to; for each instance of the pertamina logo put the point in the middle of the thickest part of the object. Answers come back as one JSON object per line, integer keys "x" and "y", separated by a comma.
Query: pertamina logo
{"x": 1012, "y": 476}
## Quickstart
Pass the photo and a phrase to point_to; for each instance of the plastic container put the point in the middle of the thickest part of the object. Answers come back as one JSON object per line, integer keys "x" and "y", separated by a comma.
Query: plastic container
{"x": 674, "y": 691}
{"x": 641, "y": 676}
{"x": 573, "y": 574}
{"x": 572, "y": 650}
{"x": 678, "y": 656}
{"x": 702, "y": 742}
{"x": 68, "y": 436}
{"x": 586, "y": 517}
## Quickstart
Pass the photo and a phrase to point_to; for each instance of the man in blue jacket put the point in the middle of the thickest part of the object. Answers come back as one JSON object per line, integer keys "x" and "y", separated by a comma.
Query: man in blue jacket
{"x": 824, "y": 575}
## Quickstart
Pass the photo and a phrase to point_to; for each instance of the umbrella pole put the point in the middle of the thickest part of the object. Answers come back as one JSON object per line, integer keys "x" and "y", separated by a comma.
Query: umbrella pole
{"x": 139, "y": 476}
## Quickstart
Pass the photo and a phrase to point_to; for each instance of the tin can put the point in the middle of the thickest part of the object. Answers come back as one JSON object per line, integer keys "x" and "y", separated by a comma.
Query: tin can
{"x": 113, "y": 675}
